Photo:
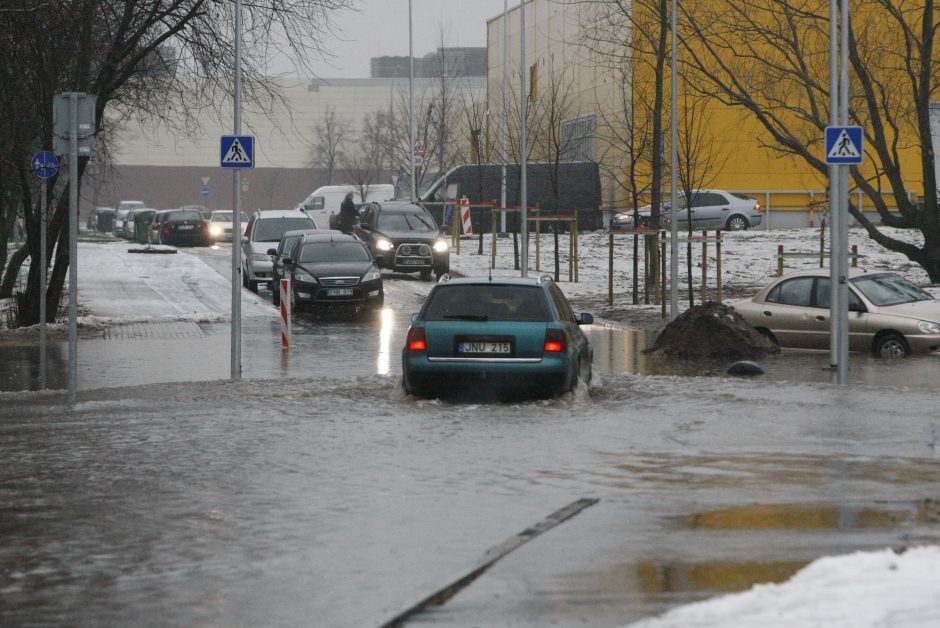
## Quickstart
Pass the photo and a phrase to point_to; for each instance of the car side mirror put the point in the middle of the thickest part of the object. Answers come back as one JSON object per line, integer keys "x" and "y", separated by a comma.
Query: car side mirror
{"x": 244, "y": 238}
{"x": 856, "y": 307}
{"x": 586, "y": 319}
{"x": 286, "y": 260}
{"x": 272, "y": 251}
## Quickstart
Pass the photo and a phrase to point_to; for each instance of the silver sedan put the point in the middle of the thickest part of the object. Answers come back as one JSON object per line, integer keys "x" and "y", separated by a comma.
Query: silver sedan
{"x": 888, "y": 315}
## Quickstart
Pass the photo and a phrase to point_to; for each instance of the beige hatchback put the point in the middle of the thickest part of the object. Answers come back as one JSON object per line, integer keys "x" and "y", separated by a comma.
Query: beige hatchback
{"x": 888, "y": 315}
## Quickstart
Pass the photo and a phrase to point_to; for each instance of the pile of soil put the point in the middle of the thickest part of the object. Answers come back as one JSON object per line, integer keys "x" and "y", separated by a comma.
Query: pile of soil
{"x": 712, "y": 331}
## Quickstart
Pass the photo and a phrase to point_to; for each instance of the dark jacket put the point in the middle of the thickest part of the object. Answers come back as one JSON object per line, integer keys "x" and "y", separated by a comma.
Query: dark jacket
{"x": 348, "y": 215}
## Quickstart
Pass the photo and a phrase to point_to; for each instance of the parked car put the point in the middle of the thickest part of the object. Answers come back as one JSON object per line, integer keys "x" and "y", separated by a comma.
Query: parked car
{"x": 282, "y": 254}
{"x": 131, "y": 205}
{"x": 404, "y": 237}
{"x": 264, "y": 229}
{"x": 117, "y": 226}
{"x": 499, "y": 334}
{"x": 711, "y": 209}
{"x": 204, "y": 211}
{"x": 330, "y": 269}
{"x": 156, "y": 224}
{"x": 220, "y": 225}
{"x": 184, "y": 227}
{"x": 888, "y": 315}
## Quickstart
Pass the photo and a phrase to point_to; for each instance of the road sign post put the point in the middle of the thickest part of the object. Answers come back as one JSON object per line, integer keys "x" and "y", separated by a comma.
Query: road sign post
{"x": 45, "y": 165}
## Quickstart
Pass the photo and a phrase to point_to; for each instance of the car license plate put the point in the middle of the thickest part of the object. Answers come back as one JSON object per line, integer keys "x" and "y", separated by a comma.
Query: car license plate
{"x": 412, "y": 262}
{"x": 186, "y": 227}
{"x": 339, "y": 292}
{"x": 485, "y": 346}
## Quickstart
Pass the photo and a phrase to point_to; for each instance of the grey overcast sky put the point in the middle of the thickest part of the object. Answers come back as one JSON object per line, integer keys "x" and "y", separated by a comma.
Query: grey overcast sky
{"x": 380, "y": 28}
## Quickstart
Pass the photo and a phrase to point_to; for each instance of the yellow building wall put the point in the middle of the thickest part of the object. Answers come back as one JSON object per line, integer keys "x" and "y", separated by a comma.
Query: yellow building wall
{"x": 557, "y": 37}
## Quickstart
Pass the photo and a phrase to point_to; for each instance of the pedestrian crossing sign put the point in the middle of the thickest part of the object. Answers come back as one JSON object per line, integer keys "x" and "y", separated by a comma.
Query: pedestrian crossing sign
{"x": 844, "y": 145}
{"x": 238, "y": 151}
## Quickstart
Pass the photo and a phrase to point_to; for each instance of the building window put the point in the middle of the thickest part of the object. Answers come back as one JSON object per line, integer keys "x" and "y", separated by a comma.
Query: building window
{"x": 577, "y": 139}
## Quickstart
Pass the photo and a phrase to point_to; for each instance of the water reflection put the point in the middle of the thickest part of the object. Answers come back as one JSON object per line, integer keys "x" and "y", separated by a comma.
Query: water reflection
{"x": 386, "y": 327}
{"x": 713, "y": 576}
{"x": 797, "y": 517}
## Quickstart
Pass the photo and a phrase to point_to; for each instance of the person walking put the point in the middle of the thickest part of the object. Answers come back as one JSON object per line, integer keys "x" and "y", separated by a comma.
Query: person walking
{"x": 348, "y": 214}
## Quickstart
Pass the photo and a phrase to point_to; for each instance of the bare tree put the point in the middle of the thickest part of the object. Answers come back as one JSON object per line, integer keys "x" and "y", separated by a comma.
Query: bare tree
{"x": 140, "y": 58}
{"x": 329, "y": 142}
{"x": 699, "y": 164}
{"x": 771, "y": 60}
{"x": 638, "y": 31}
{"x": 366, "y": 163}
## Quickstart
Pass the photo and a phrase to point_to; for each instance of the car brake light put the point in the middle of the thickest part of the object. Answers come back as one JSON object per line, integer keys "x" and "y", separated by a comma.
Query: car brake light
{"x": 554, "y": 340}
{"x": 757, "y": 207}
{"x": 416, "y": 341}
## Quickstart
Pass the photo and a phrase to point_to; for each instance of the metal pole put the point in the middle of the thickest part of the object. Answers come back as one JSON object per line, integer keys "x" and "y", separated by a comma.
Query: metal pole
{"x": 834, "y": 196}
{"x": 73, "y": 245}
{"x": 523, "y": 193}
{"x": 411, "y": 105}
{"x": 673, "y": 223}
{"x": 504, "y": 130}
{"x": 236, "y": 340}
{"x": 843, "y": 340}
{"x": 43, "y": 268}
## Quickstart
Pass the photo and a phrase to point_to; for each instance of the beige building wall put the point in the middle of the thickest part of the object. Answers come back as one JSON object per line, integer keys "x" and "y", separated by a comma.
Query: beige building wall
{"x": 284, "y": 133}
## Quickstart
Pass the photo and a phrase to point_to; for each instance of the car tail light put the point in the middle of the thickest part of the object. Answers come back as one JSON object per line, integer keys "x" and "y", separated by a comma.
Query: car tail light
{"x": 166, "y": 230}
{"x": 554, "y": 340}
{"x": 758, "y": 208}
{"x": 416, "y": 341}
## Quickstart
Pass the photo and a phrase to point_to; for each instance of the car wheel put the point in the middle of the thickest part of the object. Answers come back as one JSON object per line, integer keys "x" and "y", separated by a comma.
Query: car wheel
{"x": 276, "y": 297}
{"x": 890, "y": 346}
{"x": 737, "y": 223}
{"x": 253, "y": 286}
{"x": 425, "y": 275}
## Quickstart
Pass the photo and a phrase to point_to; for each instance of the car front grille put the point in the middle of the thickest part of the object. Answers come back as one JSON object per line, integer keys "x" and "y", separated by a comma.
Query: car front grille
{"x": 339, "y": 281}
{"x": 413, "y": 250}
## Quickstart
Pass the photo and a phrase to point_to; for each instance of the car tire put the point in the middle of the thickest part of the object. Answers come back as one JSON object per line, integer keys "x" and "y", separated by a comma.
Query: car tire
{"x": 889, "y": 346}
{"x": 425, "y": 275}
{"x": 253, "y": 286}
{"x": 276, "y": 297}
{"x": 737, "y": 223}
{"x": 440, "y": 273}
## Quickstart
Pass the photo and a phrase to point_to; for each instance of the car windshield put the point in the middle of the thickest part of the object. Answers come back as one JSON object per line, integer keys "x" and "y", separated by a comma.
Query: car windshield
{"x": 406, "y": 221}
{"x": 316, "y": 252}
{"x": 271, "y": 229}
{"x": 184, "y": 216}
{"x": 889, "y": 289}
{"x": 487, "y": 302}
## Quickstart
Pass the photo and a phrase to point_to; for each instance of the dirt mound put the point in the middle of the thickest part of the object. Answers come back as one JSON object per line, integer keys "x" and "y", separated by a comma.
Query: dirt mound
{"x": 712, "y": 331}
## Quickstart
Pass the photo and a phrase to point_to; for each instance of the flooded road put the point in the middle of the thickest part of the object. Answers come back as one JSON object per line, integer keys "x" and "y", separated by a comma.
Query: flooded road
{"x": 242, "y": 503}
{"x": 312, "y": 492}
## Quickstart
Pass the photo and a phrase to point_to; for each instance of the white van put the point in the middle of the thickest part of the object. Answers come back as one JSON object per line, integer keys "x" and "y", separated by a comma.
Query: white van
{"x": 326, "y": 200}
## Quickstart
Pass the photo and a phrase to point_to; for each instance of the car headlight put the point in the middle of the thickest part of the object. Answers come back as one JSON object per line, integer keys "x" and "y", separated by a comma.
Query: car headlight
{"x": 441, "y": 246}
{"x": 302, "y": 275}
{"x": 372, "y": 275}
{"x": 927, "y": 327}
{"x": 261, "y": 257}
{"x": 384, "y": 245}
{"x": 215, "y": 230}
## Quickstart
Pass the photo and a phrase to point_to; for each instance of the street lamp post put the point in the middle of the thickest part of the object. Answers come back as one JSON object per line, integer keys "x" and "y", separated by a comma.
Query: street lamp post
{"x": 673, "y": 223}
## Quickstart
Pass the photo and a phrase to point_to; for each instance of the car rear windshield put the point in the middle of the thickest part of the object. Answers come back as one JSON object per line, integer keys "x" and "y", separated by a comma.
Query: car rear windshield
{"x": 318, "y": 252}
{"x": 406, "y": 221}
{"x": 271, "y": 229}
{"x": 487, "y": 302}
{"x": 889, "y": 289}
{"x": 226, "y": 217}
{"x": 184, "y": 216}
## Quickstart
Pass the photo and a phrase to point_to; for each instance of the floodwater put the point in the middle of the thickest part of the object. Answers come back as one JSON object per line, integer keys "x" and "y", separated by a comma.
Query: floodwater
{"x": 348, "y": 347}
